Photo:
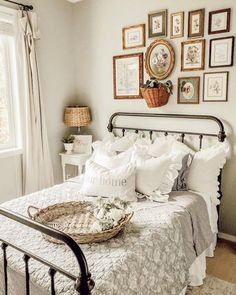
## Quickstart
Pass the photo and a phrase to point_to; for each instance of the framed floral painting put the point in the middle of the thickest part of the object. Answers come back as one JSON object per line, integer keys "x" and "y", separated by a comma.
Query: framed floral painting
{"x": 219, "y": 21}
{"x": 221, "y": 52}
{"x": 188, "y": 90}
{"x": 160, "y": 59}
{"x": 215, "y": 87}
{"x": 196, "y": 20}
{"x": 128, "y": 76}
{"x": 157, "y": 24}
{"x": 133, "y": 36}
{"x": 193, "y": 55}
{"x": 177, "y": 25}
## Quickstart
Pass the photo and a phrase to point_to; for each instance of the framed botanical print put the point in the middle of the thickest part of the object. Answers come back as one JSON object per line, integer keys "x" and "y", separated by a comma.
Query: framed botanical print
{"x": 83, "y": 144}
{"x": 160, "y": 59}
{"x": 188, "y": 90}
{"x": 215, "y": 87}
{"x": 177, "y": 25}
{"x": 219, "y": 21}
{"x": 128, "y": 75}
{"x": 157, "y": 24}
{"x": 193, "y": 55}
{"x": 196, "y": 20}
{"x": 221, "y": 52}
{"x": 133, "y": 36}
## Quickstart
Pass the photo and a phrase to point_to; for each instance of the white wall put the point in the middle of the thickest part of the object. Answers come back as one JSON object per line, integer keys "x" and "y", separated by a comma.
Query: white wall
{"x": 97, "y": 31}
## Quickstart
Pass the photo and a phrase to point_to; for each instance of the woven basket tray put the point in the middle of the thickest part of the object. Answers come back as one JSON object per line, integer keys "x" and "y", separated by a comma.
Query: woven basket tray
{"x": 74, "y": 219}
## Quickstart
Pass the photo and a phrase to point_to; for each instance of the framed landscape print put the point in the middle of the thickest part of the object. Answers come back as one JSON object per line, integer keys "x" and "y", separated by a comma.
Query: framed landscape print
{"x": 219, "y": 21}
{"x": 157, "y": 24}
{"x": 160, "y": 59}
{"x": 196, "y": 23}
{"x": 128, "y": 75}
{"x": 177, "y": 25}
{"x": 215, "y": 86}
{"x": 188, "y": 90}
{"x": 193, "y": 55}
{"x": 221, "y": 52}
{"x": 133, "y": 36}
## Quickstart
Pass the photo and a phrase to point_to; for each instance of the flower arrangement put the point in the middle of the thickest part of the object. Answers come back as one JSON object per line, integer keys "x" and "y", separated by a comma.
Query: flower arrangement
{"x": 68, "y": 139}
{"x": 109, "y": 212}
{"x": 160, "y": 59}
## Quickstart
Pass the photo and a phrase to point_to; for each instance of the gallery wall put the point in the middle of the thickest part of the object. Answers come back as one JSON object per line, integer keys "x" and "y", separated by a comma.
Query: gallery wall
{"x": 98, "y": 37}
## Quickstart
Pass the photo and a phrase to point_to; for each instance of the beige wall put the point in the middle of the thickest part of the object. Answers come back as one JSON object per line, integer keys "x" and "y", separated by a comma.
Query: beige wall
{"x": 97, "y": 32}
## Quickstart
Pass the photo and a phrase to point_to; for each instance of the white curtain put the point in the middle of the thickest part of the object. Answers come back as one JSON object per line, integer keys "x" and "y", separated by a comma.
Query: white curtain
{"x": 37, "y": 165}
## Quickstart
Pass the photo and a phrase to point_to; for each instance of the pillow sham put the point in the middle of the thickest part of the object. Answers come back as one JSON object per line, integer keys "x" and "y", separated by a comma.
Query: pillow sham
{"x": 161, "y": 146}
{"x": 121, "y": 144}
{"x": 118, "y": 182}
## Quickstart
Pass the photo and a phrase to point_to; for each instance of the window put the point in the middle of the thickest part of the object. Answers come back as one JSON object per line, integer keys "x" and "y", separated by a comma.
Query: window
{"x": 9, "y": 96}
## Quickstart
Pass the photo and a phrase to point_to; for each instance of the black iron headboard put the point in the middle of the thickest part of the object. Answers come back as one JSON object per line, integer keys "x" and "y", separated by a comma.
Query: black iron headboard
{"x": 220, "y": 135}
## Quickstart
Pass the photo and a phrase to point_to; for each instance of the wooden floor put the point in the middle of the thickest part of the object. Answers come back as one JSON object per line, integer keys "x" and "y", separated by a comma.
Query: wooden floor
{"x": 223, "y": 265}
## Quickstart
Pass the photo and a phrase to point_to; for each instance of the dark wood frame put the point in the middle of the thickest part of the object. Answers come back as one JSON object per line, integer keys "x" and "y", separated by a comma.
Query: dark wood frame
{"x": 147, "y": 58}
{"x": 203, "y": 41}
{"x": 204, "y": 84}
{"x": 211, "y": 13}
{"x": 164, "y": 14}
{"x": 142, "y": 27}
{"x": 232, "y": 52}
{"x": 201, "y": 12}
{"x": 141, "y": 75}
{"x": 181, "y": 13}
{"x": 198, "y": 90}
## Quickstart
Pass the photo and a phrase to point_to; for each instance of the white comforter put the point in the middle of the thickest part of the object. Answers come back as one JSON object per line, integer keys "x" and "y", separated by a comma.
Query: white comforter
{"x": 148, "y": 258}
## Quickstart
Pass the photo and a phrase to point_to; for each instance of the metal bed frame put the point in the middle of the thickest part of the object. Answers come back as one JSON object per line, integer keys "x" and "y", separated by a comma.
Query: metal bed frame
{"x": 84, "y": 284}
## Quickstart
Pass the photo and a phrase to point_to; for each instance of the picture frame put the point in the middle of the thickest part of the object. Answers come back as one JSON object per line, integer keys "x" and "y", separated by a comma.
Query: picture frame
{"x": 157, "y": 23}
{"x": 219, "y": 21}
{"x": 83, "y": 144}
{"x": 215, "y": 86}
{"x": 128, "y": 76}
{"x": 160, "y": 59}
{"x": 188, "y": 90}
{"x": 177, "y": 25}
{"x": 221, "y": 52}
{"x": 196, "y": 22}
{"x": 193, "y": 55}
{"x": 134, "y": 36}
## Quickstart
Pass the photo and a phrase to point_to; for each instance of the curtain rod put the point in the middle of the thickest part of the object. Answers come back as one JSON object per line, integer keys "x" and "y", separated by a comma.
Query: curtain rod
{"x": 26, "y": 7}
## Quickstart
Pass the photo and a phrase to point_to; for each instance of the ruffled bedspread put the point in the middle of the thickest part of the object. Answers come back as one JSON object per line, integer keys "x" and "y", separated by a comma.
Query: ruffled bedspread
{"x": 148, "y": 258}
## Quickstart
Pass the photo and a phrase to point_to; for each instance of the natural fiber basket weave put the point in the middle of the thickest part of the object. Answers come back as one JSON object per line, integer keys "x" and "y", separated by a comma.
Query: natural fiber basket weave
{"x": 155, "y": 97}
{"x": 77, "y": 116}
{"x": 74, "y": 219}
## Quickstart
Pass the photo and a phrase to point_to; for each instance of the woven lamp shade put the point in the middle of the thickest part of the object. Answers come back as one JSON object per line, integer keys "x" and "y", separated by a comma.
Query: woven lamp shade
{"x": 77, "y": 116}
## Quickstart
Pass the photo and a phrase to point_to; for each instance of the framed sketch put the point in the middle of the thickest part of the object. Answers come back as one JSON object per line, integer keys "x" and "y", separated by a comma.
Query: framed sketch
{"x": 219, "y": 21}
{"x": 133, "y": 36}
{"x": 196, "y": 23}
{"x": 177, "y": 25}
{"x": 193, "y": 55}
{"x": 83, "y": 144}
{"x": 157, "y": 24}
{"x": 221, "y": 52}
{"x": 160, "y": 59}
{"x": 128, "y": 75}
{"x": 188, "y": 90}
{"x": 215, "y": 86}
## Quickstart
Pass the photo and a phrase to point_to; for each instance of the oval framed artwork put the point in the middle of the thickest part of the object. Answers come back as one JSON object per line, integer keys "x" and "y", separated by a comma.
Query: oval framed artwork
{"x": 160, "y": 59}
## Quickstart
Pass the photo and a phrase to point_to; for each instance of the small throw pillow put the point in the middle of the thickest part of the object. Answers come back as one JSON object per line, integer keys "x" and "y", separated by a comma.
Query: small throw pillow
{"x": 180, "y": 183}
{"x": 103, "y": 182}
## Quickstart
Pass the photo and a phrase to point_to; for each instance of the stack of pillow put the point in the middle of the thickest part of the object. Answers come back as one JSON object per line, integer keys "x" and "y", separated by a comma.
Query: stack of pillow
{"x": 123, "y": 167}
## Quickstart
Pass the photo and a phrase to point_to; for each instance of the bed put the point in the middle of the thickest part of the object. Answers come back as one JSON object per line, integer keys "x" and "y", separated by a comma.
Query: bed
{"x": 161, "y": 252}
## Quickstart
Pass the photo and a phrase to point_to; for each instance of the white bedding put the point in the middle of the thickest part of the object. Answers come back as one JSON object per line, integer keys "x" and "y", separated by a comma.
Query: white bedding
{"x": 127, "y": 264}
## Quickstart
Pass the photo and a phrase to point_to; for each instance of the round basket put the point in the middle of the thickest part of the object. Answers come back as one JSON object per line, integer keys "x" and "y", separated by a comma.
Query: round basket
{"x": 74, "y": 219}
{"x": 155, "y": 97}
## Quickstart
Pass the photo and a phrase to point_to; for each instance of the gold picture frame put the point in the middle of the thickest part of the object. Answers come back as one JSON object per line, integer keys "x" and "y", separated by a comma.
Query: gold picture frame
{"x": 157, "y": 23}
{"x": 188, "y": 90}
{"x": 177, "y": 25}
{"x": 196, "y": 23}
{"x": 193, "y": 55}
{"x": 134, "y": 36}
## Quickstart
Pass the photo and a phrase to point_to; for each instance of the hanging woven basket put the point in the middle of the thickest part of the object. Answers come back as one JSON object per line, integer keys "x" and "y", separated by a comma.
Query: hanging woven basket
{"x": 155, "y": 97}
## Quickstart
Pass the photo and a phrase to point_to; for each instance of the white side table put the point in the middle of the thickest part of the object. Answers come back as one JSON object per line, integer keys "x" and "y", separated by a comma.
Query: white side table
{"x": 78, "y": 160}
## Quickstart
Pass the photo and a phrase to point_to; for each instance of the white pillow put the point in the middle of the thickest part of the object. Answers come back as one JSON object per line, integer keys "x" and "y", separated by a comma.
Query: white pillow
{"x": 100, "y": 181}
{"x": 156, "y": 176}
{"x": 205, "y": 169}
{"x": 161, "y": 146}
{"x": 120, "y": 144}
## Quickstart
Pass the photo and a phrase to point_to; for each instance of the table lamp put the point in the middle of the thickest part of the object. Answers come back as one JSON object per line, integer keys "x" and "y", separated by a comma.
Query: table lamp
{"x": 76, "y": 116}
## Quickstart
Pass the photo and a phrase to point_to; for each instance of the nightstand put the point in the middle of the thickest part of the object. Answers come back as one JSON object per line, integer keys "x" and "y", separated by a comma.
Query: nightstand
{"x": 78, "y": 160}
